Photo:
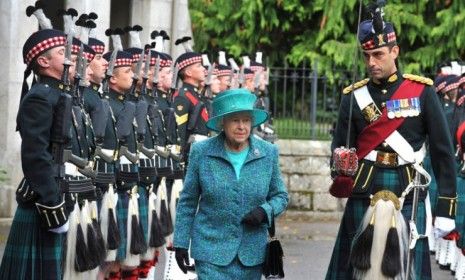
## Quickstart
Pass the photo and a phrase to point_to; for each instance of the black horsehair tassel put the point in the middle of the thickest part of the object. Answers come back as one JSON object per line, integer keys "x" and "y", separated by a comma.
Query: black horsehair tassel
{"x": 101, "y": 253}
{"x": 156, "y": 237}
{"x": 92, "y": 246}
{"x": 361, "y": 250}
{"x": 165, "y": 219}
{"x": 391, "y": 265}
{"x": 113, "y": 237}
{"x": 81, "y": 262}
{"x": 138, "y": 242}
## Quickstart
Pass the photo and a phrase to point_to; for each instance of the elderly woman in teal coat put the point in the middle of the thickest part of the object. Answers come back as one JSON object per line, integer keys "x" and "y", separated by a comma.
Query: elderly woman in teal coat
{"x": 232, "y": 191}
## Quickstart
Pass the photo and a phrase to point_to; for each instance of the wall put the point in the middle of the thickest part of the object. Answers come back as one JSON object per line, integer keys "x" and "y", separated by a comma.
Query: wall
{"x": 305, "y": 169}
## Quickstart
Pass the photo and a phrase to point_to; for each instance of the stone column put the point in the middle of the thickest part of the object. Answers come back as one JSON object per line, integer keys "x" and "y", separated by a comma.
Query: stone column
{"x": 101, "y": 8}
{"x": 169, "y": 15}
{"x": 15, "y": 28}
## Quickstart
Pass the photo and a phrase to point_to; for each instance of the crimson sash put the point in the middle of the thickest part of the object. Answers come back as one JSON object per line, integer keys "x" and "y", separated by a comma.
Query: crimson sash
{"x": 375, "y": 133}
{"x": 458, "y": 135}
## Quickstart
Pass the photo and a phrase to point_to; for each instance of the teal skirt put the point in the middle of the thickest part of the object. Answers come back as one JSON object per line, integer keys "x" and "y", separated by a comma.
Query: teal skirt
{"x": 32, "y": 252}
{"x": 234, "y": 270}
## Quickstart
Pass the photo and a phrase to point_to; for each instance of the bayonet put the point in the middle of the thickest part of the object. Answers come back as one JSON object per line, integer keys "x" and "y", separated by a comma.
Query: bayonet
{"x": 174, "y": 82}
{"x": 156, "y": 71}
{"x": 145, "y": 74}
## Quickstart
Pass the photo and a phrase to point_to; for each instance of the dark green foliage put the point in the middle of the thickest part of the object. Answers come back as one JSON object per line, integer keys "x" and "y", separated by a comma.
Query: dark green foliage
{"x": 428, "y": 31}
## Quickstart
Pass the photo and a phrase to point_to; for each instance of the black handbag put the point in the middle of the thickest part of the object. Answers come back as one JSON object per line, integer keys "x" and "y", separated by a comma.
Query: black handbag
{"x": 273, "y": 267}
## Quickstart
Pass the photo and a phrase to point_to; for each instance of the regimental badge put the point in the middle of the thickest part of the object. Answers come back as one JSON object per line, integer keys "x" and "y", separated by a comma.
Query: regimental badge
{"x": 371, "y": 113}
{"x": 179, "y": 107}
{"x": 380, "y": 40}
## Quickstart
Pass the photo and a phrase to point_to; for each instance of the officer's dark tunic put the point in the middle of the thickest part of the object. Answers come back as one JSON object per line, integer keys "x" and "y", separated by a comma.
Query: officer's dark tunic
{"x": 96, "y": 107}
{"x": 31, "y": 249}
{"x": 186, "y": 103}
{"x": 430, "y": 123}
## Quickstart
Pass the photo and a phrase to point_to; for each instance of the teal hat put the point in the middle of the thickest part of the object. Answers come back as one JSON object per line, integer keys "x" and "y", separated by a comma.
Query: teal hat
{"x": 234, "y": 101}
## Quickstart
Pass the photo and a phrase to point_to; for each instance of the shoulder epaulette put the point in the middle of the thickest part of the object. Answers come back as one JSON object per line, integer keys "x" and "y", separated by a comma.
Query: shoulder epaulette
{"x": 419, "y": 79}
{"x": 355, "y": 86}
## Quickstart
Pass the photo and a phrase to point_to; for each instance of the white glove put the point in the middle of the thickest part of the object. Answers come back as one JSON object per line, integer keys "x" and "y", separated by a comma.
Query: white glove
{"x": 443, "y": 226}
{"x": 64, "y": 228}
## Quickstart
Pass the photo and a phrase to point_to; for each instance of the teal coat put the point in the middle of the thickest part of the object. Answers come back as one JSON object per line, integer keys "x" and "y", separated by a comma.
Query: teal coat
{"x": 215, "y": 229}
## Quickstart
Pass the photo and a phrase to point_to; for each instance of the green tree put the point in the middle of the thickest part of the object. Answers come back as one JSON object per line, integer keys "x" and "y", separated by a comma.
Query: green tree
{"x": 428, "y": 31}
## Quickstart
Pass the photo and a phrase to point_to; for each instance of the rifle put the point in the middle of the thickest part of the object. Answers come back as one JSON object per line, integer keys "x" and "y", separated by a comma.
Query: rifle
{"x": 123, "y": 130}
{"x": 208, "y": 81}
{"x": 145, "y": 75}
{"x": 61, "y": 127}
{"x": 256, "y": 83}
{"x": 109, "y": 73}
{"x": 155, "y": 76}
{"x": 234, "y": 71}
{"x": 174, "y": 82}
{"x": 136, "y": 74}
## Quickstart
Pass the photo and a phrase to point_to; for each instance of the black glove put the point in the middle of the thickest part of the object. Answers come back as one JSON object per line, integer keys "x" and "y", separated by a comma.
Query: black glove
{"x": 255, "y": 217}
{"x": 182, "y": 258}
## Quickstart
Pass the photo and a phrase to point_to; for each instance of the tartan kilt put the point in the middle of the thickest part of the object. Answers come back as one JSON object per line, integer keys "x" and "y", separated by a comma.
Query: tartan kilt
{"x": 433, "y": 187}
{"x": 122, "y": 220}
{"x": 339, "y": 267}
{"x": 143, "y": 208}
{"x": 460, "y": 213}
{"x": 32, "y": 252}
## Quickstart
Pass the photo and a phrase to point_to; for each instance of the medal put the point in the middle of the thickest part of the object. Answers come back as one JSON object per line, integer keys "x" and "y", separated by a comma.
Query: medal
{"x": 390, "y": 109}
{"x": 416, "y": 102}
{"x": 404, "y": 108}
{"x": 397, "y": 111}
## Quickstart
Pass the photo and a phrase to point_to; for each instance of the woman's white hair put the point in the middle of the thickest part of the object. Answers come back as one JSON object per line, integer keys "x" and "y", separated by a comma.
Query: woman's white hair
{"x": 221, "y": 123}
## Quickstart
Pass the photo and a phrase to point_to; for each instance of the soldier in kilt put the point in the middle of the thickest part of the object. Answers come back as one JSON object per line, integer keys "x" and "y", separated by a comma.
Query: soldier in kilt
{"x": 460, "y": 216}
{"x": 120, "y": 136}
{"x": 405, "y": 106}
{"x": 34, "y": 249}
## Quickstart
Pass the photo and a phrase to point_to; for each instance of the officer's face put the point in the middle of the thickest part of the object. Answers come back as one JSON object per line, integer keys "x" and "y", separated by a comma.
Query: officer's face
{"x": 215, "y": 85}
{"x": 72, "y": 68}
{"x": 249, "y": 84}
{"x": 381, "y": 62}
{"x": 122, "y": 79}
{"x": 165, "y": 78}
{"x": 89, "y": 74}
{"x": 196, "y": 72}
{"x": 98, "y": 66}
{"x": 237, "y": 128}
{"x": 225, "y": 82}
{"x": 51, "y": 62}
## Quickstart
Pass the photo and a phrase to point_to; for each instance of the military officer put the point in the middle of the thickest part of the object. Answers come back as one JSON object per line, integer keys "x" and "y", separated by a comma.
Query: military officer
{"x": 406, "y": 107}
{"x": 35, "y": 243}
{"x": 225, "y": 72}
{"x": 191, "y": 113}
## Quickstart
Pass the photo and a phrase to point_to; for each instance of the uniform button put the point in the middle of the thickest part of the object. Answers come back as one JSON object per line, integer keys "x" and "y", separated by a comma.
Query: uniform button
{"x": 384, "y": 91}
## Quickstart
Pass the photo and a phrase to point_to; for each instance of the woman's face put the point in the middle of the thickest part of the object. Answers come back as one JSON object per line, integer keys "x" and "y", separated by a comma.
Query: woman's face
{"x": 237, "y": 128}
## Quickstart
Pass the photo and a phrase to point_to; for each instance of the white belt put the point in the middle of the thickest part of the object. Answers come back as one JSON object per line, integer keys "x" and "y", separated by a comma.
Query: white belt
{"x": 72, "y": 170}
{"x": 419, "y": 156}
{"x": 124, "y": 160}
{"x": 196, "y": 138}
{"x": 108, "y": 151}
